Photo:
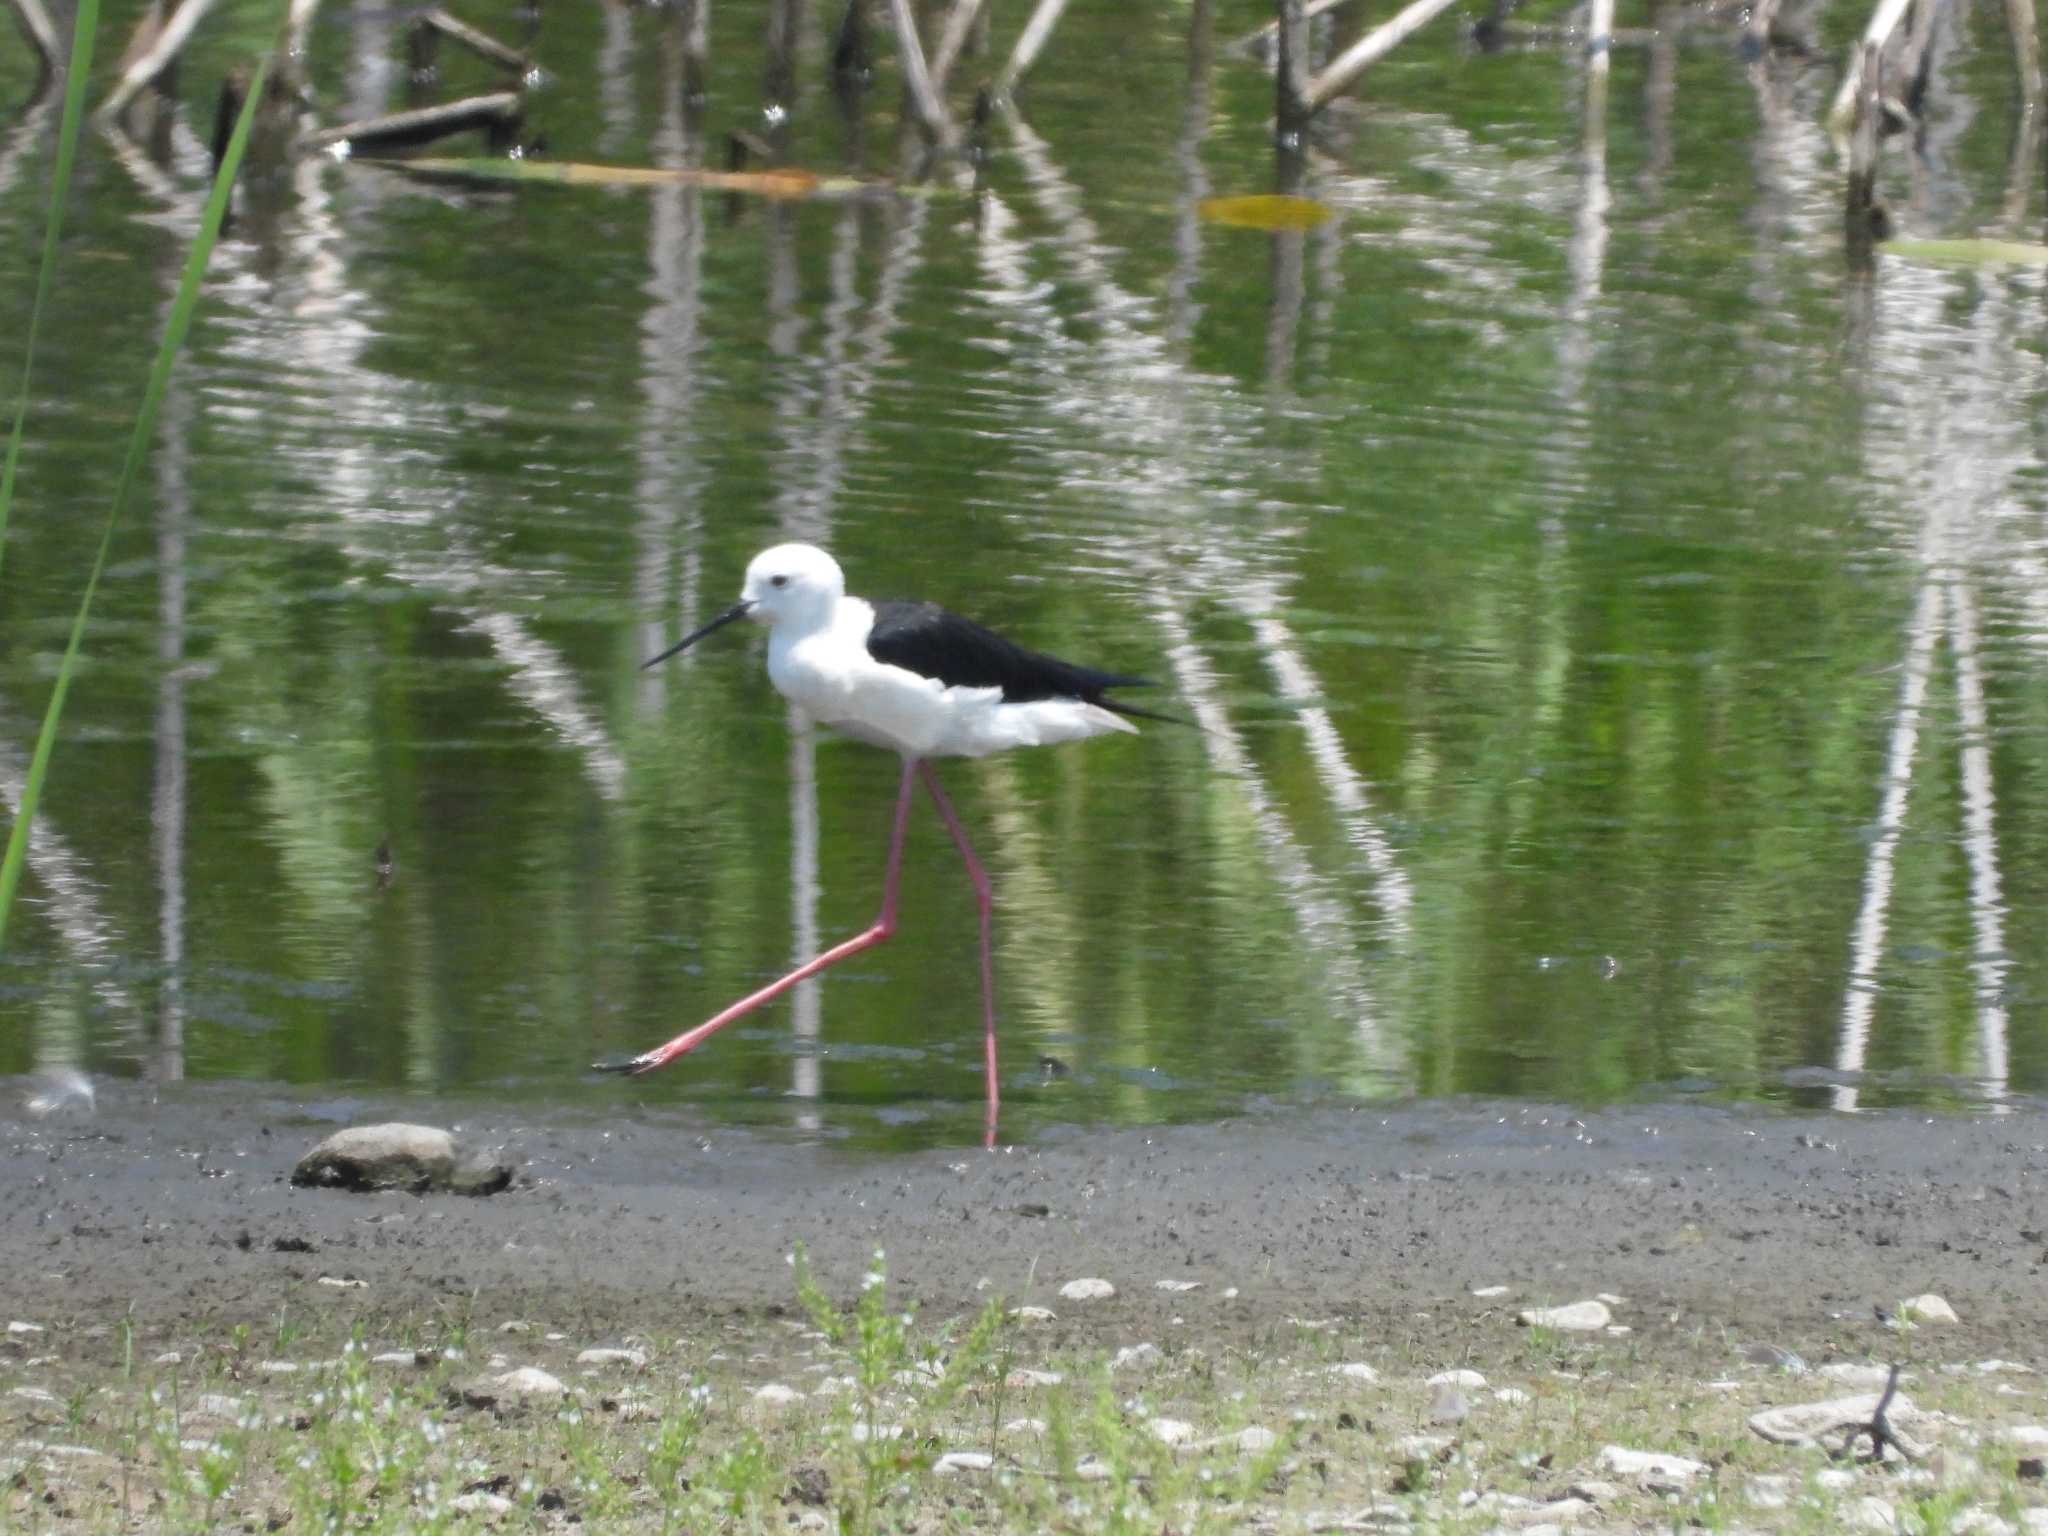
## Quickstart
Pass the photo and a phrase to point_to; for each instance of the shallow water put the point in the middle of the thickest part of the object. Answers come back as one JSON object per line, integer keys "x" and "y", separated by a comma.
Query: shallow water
{"x": 1616, "y": 622}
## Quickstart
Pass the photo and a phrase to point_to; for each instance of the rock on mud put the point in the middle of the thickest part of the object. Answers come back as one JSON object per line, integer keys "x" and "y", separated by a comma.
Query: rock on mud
{"x": 1578, "y": 1317}
{"x": 416, "y": 1158}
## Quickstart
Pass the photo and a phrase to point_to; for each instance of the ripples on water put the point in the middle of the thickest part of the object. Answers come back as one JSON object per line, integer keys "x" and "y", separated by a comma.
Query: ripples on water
{"x": 1614, "y": 623}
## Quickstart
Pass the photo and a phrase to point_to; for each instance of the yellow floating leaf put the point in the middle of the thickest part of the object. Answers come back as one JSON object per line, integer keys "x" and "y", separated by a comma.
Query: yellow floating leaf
{"x": 1968, "y": 253}
{"x": 1271, "y": 210}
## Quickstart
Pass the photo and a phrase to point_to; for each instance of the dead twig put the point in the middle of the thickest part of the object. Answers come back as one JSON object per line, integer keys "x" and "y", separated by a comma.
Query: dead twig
{"x": 482, "y": 44}
{"x": 917, "y": 78}
{"x": 42, "y": 35}
{"x": 154, "y": 59}
{"x": 1343, "y": 71}
{"x": 1029, "y": 45}
{"x": 498, "y": 109}
{"x": 958, "y": 27}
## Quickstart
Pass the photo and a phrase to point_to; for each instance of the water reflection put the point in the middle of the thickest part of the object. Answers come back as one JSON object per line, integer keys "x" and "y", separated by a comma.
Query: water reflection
{"x": 1614, "y": 629}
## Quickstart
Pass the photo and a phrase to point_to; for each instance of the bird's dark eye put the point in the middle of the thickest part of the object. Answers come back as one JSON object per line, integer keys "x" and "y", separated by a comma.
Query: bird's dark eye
{"x": 778, "y": 581}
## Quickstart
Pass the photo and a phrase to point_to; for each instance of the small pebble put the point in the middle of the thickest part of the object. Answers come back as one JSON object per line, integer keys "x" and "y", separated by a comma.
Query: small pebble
{"x": 1470, "y": 1380}
{"x": 1577, "y": 1317}
{"x": 1031, "y": 1314}
{"x": 636, "y": 1358}
{"x": 1171, "y": 1431}
{"x": 1089, "y": 1289}
{"x": 1927, "y": 1308}
{"x": 954, "y": 1462}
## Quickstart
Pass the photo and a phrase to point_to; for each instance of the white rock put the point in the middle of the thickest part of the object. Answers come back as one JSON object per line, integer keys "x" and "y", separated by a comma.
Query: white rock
{"x": 170, "y": 1357}
{"x": 396, "y": 1357}
{"x": 1928, "y": 1308}
{"x": 880, "y": 1432}
{"x": 217, "y": 1405}
{"x": 492, "y": 1506}
{"x": 1025, "y": 1377}
{"x": 1032, "y": 1314}
{"x": 1800, "y": 1423}
{"x": 1252, "y": 1440}
{"x": 1488, "y": 1292}
{"x": 1772, "y": 1491}
{"x": 1230, "y": 1293}
{"x": 1979, "y": 1521}
{"x": 529, "y": 1381}
{"x": 1834, "y": 1479}
{"x": 2028, "y": 1437}
{"x": 343, "y": 1283}
{"x": 2034, "y": 1522}
{"x": 1554, "y": 1516}
{"x": 1578, "y": 1317}
{"x": 1610, "y": 1298}
{"x": 19, "y": 1329}
{"x": 1469, "y": 1379}
{"x": 33, "y": 1394}
{"x": 1177, "y": 1285}
{"x": 1989, "y": 1366}
{"x": 278, "y": 1367}
{"x": 1420, "y": 1447}
{"x": 776, "y": 1395}
{"x": 955, "y": 1462}
{"x": 1171, "y": 1431}
{"x": 635, "y": 1408}
{"x": 1024, "y": 1427}
{"x": 1092, "y": 1469}
{"x": 636, "y": 1358}
{"x": 1514, "y": 1397}
{"x": 1139, "y": 1357}
{"x": 1357, "y": 1370}
{"x": 1090, "y": 1289}
{"x": 1594, "y": 1491}
{"x": 1870, "y": 1514}
{"x": 1653, "y": 1469}
{"x": 1868, "y": 1378}
{"x": 514, "y": 1325}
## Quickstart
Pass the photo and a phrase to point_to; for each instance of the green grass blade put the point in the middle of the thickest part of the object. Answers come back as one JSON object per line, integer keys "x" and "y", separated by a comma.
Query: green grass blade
{"x": 167, "y": 350}
{"x": 75, "y": 71}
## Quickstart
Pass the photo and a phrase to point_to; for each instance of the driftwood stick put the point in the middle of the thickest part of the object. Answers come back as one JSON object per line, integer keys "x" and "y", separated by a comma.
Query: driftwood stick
{"x": 1599, "y": 40}
{"x": 153, "y": 60}
{"x": 482, "y": 44}
{"x": 1343, "y": 71}
{"x": 490, "y": 111}
{"x": 2026, "y": 48}
{"x": 851, "y": 62}
{"x": 1259, "y": 37}
{"x": 42, "y": 35}
{"x": 917, "y": 77}
{"x": 1291, "y": 109}
{"x": 959, "y": 27}
{"x": 1882, "y": 21}
{"x": 1756, "y": 32}
{"x": 1029, "y": 45}
{"x": 693, "y": 21}
{"x": 1863, "y": 140}
{"x": 299, "y": 27}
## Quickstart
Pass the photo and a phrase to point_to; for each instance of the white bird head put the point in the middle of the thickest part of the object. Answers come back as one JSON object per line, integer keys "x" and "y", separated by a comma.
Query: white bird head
{"x": 794, "y": 584}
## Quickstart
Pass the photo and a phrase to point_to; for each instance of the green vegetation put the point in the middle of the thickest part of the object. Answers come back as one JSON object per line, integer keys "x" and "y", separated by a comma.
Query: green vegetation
{"x": 894, "y": 1426}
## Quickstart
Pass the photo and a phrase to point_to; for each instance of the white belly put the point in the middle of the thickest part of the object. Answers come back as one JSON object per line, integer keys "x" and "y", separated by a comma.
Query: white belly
{"x": 885, "y": 706}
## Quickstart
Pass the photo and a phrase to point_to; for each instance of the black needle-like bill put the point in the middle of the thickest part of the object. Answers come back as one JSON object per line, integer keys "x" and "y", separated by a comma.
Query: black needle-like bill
{"x": 738, "y": 610}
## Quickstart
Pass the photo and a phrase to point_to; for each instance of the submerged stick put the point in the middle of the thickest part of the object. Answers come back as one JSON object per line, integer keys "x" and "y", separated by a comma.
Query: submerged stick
{"x": 1291, "y": 109}
{"x": 482, "y": 44}
{"x": 153, "y": 60}
{"x": 1599, "y": 40}
{"x": 1029, "y": 45}
{"x": 1345, "y": 69}
{"x": 42, "y": 34}
{"x": 1882, "y": 21}
{"x": 489, "y": 111}
{"x": 917, "y": 78}
{"x": 958, "y": 26}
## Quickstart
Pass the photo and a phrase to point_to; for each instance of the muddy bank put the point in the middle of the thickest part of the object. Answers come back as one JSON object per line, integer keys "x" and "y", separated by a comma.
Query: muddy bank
{"x": 1716, "y": 1226}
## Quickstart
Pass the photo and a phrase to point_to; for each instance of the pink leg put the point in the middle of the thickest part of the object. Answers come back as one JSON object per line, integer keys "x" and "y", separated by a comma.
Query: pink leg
{"x": 884, "y": 925}
{"x": 988, "y": 973}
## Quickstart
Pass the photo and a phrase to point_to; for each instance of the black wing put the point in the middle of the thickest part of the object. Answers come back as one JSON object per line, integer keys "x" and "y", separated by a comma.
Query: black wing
{"x": 924, "y": 638}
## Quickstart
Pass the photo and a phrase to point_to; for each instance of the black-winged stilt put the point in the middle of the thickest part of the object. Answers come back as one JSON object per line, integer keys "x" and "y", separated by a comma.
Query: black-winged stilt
{"x": 923, "y": 683}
